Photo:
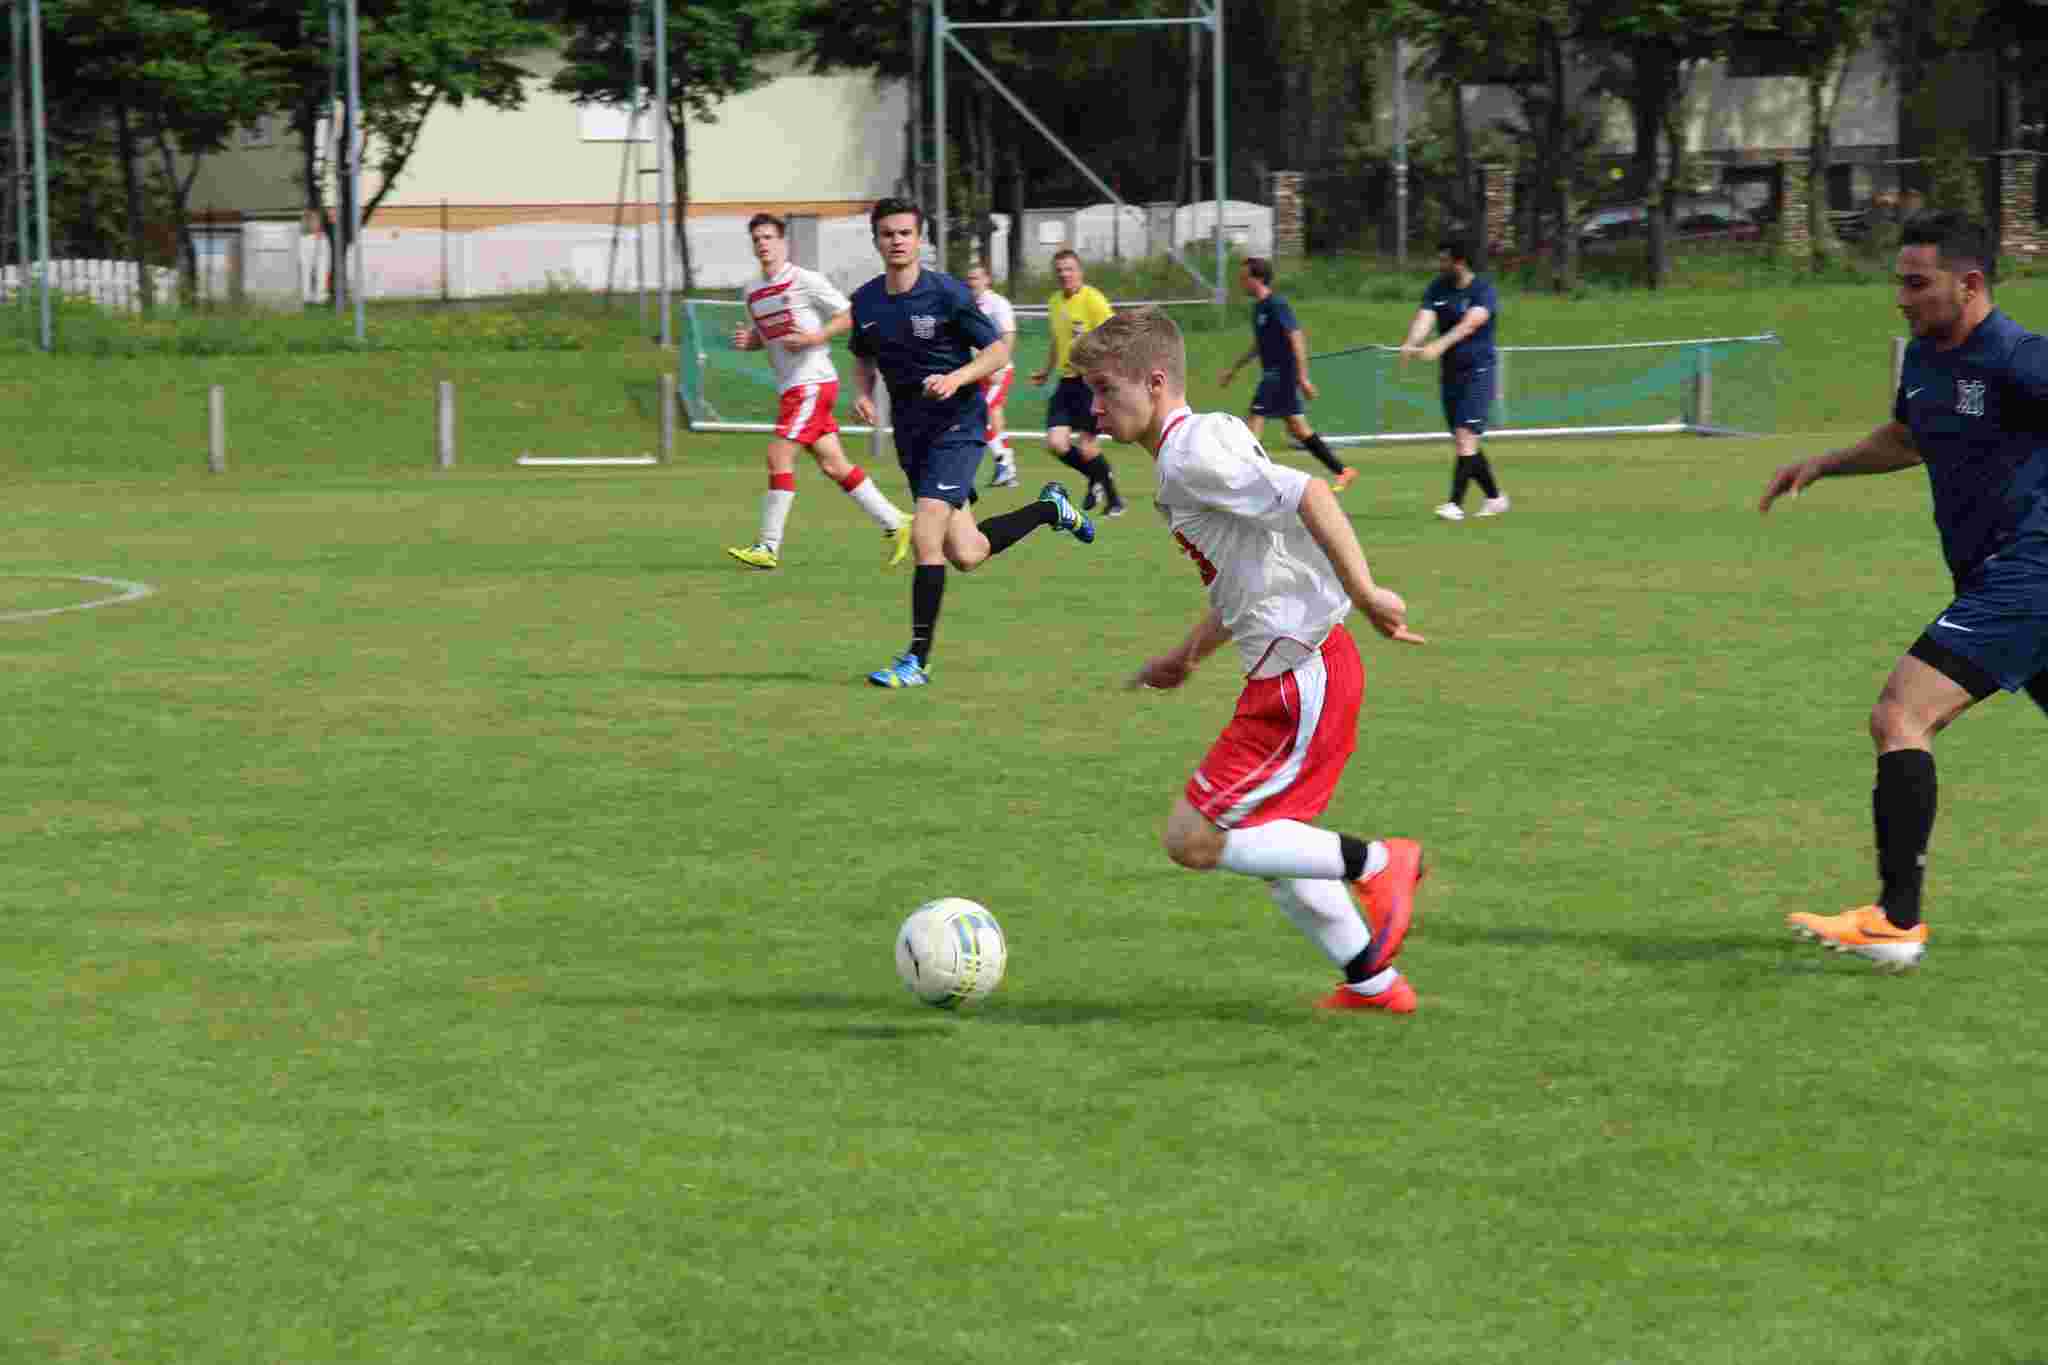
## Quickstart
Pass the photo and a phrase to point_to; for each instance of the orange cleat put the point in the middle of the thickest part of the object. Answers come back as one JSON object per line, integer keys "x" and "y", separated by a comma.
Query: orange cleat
{"x": 1344, "y": 480}
{"x": 1387, "y": 900}
{"x": 1865, "y": 932}
{"x": 1398, "y": 998}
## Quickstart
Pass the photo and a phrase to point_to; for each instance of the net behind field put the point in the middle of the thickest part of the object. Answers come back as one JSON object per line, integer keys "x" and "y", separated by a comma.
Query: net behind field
{"x": 1721, "y": 385}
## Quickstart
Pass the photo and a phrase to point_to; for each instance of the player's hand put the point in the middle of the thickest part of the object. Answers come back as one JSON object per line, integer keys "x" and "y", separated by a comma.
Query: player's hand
{"x": 942, "y": 385}
{"x": 1389, "y": 616}
{"x": 1225, "y": 378}
{"x": 1787, "y": 481}
{"x": 1308, "y": 390}
{"x": 1038, "y": 378}
{"x": 1409, "y": 350}
{"x": 1161, "y": 674}
{"x": 1433, "y": 351}
{"x": 743, "y": 338}
{"x": 864, "y": 409}
{"x": 802, "y": 341}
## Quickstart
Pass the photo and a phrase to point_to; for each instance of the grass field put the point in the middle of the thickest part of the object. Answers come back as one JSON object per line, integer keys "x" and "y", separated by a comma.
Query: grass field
{"x": 450, "y": 920}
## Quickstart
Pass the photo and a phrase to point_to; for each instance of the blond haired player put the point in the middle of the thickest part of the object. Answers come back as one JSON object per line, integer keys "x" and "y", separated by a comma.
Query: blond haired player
{"x": 1283, "y": 569}
{"x": 1072, "y": 310}
{"x": 995, "y": 389}
{"x": 793, "y": 314}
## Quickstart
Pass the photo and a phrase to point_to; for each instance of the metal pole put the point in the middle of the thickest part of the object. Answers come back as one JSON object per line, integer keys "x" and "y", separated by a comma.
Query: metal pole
{"x": 1221, "y": 138}
{"x": 217, "y": 430}
{"x": 668, "y": 417}
{"x": 1400, "y": 152}
{"x": 664, "y": 158}
{"x": 334, "y": 271}
{"x": 939, "y": 128}
{"x": 39, "y": 135}
{"x": 636, "y": 43}
{"x": 355, "y": 162}
{"x": 444, "y": 423}
{"x": 17, "y": 42}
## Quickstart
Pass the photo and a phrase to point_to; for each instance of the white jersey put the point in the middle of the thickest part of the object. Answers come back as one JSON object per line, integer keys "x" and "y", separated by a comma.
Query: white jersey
{"x": 1000, "y": 315}
{"x": 1238, "y": 516}
{"x": 796, "y": 300}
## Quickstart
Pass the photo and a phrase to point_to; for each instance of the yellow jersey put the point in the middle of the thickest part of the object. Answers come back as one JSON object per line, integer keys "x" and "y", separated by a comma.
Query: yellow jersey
{"x": 1069, "y": 317}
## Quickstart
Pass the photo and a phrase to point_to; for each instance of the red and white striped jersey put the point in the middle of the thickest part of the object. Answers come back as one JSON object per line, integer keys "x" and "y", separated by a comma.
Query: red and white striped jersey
{"x": 796, "y": 300}
{"x": 997, "y": 310}
{"x": 1237, "y": 515}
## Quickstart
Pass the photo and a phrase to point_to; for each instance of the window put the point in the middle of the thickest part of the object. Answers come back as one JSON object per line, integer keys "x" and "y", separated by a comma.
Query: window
{"x": 1760, "y": 56}
{"x": 608, "y": 122}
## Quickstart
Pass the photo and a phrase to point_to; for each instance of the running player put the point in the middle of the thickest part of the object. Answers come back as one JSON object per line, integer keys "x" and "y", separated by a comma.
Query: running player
{"x": 996, "y": 388}
{"x": 1282, "y": 568}
{"x": 1282, "y": 352}
{"x": 1464, "y": 307}
{"x": 1972, "y": 406}
{"x": 922, "y": 332}
{"x": 793, "y": 314}
{"x": 1072, "y": 310}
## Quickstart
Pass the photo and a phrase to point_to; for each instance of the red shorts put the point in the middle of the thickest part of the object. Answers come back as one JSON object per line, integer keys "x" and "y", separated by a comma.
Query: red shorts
{"x": 806, "y": 414}
{"x": 996, "y": 387}
{"x": 1282, "y": 753}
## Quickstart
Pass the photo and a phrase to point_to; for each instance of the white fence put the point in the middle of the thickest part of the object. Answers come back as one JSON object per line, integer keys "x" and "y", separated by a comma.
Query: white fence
{"x": 110, "y": 284}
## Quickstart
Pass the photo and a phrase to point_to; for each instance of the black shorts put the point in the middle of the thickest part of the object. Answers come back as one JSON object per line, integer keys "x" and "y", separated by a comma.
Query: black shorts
{"x": 1994, "y": 636}
{"x": 1279, "y": 394}
{"x": 1468, "y": 399}
{"x": 941, "y": 464}
{"x": 1072, "y": 405}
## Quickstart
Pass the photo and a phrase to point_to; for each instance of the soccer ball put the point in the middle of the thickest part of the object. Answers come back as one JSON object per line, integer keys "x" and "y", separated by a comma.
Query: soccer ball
{"x": 950, "y": 952}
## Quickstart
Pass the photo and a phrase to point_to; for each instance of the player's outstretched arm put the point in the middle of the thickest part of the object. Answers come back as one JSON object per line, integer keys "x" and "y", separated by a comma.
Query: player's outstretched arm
{"x": 986, "y": 362}
{"x": 1891, "y": 447}
{"x": 1176, "y": 666}
{"x": 1332, "y": 530}
{"x": 1418, "y": 329}
{"x": 1238, "y": 364}
{"x": 864, "y": 388}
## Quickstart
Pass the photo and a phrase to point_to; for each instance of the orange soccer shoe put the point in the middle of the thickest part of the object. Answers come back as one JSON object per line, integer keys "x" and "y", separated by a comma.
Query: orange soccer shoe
{"x": 1387, "y": 900}
{"x": 1865, "y": 932}
{"x": 1398, "y": 998}
{"x": 1344, "y": 480}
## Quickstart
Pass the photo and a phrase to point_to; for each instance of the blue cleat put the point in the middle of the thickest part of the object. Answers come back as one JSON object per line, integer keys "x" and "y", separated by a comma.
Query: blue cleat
{"x": 906, "y": 671}
{"x": 1071, "y": 518}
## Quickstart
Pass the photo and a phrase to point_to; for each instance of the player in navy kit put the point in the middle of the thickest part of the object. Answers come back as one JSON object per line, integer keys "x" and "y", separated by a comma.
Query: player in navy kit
{"x": 1972, "y": 406}
{"x": 931, "y": 343}
{"x": 1282, "y": 352}
{"x": 1464, "y": 308}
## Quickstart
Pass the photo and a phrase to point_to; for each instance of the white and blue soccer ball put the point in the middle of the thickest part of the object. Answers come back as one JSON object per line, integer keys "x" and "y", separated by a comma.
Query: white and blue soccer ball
{"x": 950, "y": 952}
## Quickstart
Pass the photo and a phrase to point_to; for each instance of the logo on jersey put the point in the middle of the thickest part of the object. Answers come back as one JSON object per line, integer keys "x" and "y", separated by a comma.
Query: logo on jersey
{"x": 1970, "y": 397}
{"x": 922, "y": 327}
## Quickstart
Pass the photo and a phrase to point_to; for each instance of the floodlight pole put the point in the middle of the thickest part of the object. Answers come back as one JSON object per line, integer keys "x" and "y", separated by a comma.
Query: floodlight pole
{"x": 39, "y": 134}
{"x": 17, "y": 42}
{"x": 939, "y": 127}
{"x": 334, "y": 261}
{"x": 1222, "y": 137}
{"x": 1400, "y": 93}
{"x": 665, "y": 159}
{"x": 355, "y": 160}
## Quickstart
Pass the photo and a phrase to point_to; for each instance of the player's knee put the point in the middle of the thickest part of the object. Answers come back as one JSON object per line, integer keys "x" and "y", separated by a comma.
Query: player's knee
{"x": 1197, "y": 848}
{"x": 1894, "y": 725}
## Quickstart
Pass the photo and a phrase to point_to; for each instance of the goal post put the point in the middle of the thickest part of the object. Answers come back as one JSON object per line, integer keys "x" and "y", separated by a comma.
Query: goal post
{"x": 1706, "y": 386}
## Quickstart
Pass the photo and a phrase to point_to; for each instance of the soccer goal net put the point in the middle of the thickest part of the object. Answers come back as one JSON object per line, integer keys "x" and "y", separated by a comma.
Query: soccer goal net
{"x": 1708, "y": 386}
{"x": 723, "y": 388}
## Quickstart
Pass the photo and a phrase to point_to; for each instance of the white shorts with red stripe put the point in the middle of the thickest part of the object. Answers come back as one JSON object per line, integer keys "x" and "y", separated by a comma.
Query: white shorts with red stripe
{"x": 806, "y": 413}
{"x": 1284, "y": 749}
{"x": 996, "y": 387}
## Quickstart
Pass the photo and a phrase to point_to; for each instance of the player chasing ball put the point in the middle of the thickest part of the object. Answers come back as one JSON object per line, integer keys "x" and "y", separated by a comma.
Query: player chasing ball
{"x": 1972, "y": 406}
{"x": 1282, "y": 568}
{"x": 995, "y": 390}
{"x": 922, "y": 332}
{"x": 1281, "y": 349}
{"x": 1465, "y": 308}
{"x": 793, "y": 314}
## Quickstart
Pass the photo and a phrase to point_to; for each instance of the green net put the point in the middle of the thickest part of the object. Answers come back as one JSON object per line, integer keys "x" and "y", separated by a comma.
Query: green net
{"x": 1717, "y": 385}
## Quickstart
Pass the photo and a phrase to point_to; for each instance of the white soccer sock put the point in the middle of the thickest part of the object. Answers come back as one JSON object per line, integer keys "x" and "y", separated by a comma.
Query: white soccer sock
{"x": 1285, "y": 848}
{"x": 775, "y": 504}
{"x": 1373, "y": 985}
{"x": 876, "y": 504}
{"x": 1000, "y": 449}
{"x": 1325, "y": 913}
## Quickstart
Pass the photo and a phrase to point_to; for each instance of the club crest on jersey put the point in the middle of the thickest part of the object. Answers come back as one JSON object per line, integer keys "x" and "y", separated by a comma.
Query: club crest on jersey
{"x": 1970, "y": 397}
{"x": 922, "y": 327}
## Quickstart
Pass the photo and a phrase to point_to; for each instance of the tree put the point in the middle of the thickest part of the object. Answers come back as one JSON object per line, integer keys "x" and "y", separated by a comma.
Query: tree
{"x": 716, "y": 49}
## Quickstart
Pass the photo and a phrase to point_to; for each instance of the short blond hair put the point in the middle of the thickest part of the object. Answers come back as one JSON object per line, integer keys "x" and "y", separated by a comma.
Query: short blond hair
{"x": 1131, "y": 345}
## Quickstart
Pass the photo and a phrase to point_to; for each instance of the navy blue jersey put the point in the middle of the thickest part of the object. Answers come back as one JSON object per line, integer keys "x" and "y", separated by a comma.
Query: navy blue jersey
{"x": 1450, "y": 304}
{"x": 933, "y": 327}
{"x": 1273, "y": 326}
{"x": 1979, "y": 416}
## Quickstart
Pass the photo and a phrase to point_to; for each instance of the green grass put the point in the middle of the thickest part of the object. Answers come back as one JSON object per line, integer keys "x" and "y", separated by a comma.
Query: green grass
{"x": 450, "y": 921}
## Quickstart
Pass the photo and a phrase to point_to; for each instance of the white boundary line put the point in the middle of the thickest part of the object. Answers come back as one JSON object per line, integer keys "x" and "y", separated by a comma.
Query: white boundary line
{"x": 129, "y": 592}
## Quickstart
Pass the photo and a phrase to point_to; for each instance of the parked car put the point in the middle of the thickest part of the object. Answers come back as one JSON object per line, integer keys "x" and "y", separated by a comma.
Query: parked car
{"x": 1695, "y": 218}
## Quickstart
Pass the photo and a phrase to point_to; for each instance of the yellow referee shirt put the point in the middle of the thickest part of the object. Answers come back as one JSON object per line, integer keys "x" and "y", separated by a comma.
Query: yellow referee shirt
{"x": 1069, "y": 317}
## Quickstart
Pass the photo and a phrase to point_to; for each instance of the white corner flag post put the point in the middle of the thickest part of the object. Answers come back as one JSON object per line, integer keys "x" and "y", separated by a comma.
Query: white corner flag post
{"x": 217, "y": 430}
{"x": 444, "y": 424}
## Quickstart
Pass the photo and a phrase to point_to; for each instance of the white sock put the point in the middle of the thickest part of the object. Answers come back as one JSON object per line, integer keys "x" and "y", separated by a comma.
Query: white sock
{"x": 1288, "y": 848}
{"x": 872, "y": 501}
{"x": 1373, "y": 985}
{"x": 775, "y": 504}
{"x": 1325, "y": 914}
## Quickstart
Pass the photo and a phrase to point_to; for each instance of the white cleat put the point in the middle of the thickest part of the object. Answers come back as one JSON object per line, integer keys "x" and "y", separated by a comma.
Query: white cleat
{"x": 1450, "y": 511}
{"x": 1493, "y": 507}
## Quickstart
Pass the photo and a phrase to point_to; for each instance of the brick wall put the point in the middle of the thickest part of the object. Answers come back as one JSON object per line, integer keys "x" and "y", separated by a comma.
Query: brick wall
{"x": 1287, "y": 225}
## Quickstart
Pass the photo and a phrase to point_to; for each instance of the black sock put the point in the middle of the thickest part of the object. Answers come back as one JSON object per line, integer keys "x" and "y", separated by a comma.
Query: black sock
{"x": 1461, "y": 478}
{"x": 1314, "y": 442}
{"x": 1483, "y": 472}
{"x": 1098, "y": 470}
{"x": 1007, "y": 528}
{"x": 1356, "y": 852}
{"x": 927, "y": 590}
{"x": 1902, "y": 808}
{"x": 1072, "y": 460}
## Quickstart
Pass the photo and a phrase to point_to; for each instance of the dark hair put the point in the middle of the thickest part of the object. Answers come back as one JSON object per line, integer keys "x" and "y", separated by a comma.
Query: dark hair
{"x": 1457, "y": 248}
{"x": 889, "y": 207}
{"x": 1259, "y": 268}
{"x": 1961, "y": 243}
{"x": 767, "y": 220}
{"x": 1067, "y": 252}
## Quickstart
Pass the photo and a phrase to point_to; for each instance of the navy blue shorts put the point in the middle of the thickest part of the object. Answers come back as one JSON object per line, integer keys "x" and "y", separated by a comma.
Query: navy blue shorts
{"x": 941, "y": 464}
{"x": 1468, "y": 399}
{"x": 1279, "y": 395}
{"x": 1072, "y": 405}
{"x": 1998, "y": 625}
